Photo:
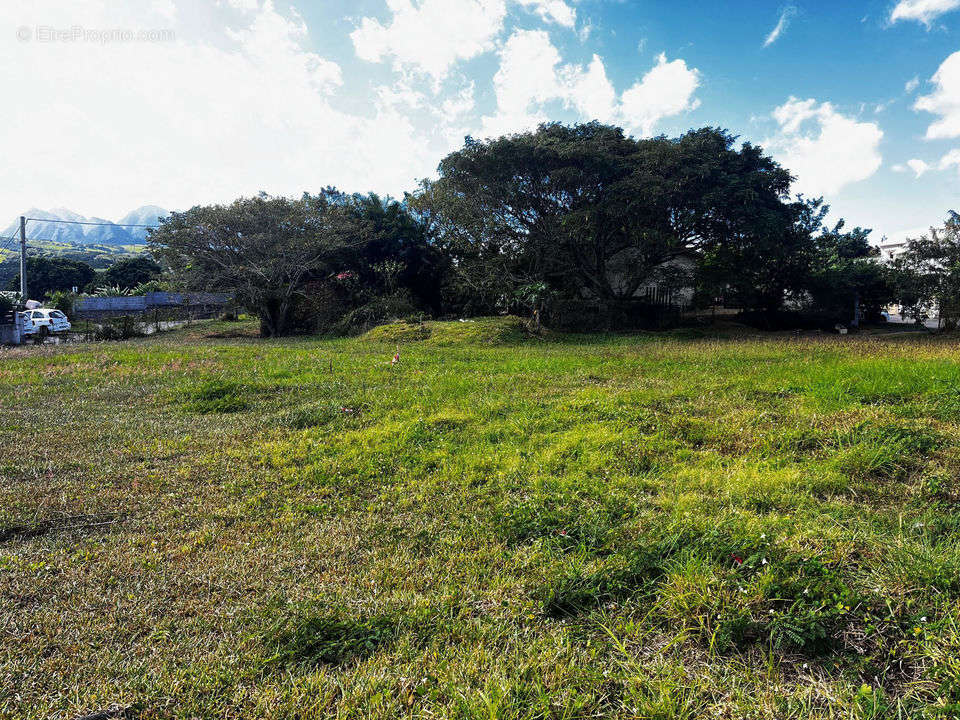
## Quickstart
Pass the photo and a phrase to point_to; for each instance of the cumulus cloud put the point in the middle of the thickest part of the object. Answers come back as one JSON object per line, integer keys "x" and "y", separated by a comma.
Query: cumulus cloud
{"x": 912, "y": 84}
{"x": 924, "y": 11}
{"x": 666, "y": 90}
{"x": 824, "y": 149}
{"x": 944, "y": 100}
{"x": 234, "y": 105}
{"x": 916, "y": 166}
{"x": 531, "y": 75}
{"x": 921, "y": 167}
{"x": 951, "y": 159}
{"x": 554, "y": 11}
{"x": 782, "y": 24}
{"x": 431, "y": 36}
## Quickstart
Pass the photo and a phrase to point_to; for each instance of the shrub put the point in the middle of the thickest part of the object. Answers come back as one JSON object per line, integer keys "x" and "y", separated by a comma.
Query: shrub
{"x": 118, "y": 328}
{"x": 380, "y": 310}
{"x": 62, "y": 301}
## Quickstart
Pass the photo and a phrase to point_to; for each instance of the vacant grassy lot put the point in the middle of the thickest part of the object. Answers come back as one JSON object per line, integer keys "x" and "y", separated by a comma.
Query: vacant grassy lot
{"x": 662, "y": 526}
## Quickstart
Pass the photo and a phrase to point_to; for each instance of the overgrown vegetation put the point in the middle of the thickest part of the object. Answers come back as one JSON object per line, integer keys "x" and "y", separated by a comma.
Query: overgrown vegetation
{"x": 574, "y": 227}
{"x": 500, "y": 524}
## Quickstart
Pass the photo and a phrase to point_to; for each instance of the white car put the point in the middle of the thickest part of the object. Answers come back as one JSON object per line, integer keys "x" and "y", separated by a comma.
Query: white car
{"x": 46, "y": 322}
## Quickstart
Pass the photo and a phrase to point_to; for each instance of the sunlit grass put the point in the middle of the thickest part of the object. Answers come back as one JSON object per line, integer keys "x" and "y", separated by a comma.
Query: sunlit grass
{"x": 499, "y": 526}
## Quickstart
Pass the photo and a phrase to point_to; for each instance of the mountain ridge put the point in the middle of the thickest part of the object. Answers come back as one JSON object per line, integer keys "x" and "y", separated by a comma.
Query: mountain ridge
{"x": 44, "y": 225}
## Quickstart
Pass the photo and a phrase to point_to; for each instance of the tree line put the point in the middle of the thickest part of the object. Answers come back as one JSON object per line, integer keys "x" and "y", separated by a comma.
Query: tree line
{"x": 576, "y": 226}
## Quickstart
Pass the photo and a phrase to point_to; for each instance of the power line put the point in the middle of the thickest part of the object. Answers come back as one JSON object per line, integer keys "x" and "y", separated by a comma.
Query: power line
{"x": 87, "y": 222}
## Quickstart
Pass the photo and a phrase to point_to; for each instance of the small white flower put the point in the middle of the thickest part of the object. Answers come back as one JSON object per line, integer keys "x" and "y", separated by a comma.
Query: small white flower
{"x": 771, "y": 612}
{"x": 763, "y": 536}
{"x": 804, "y": 666}
{"x": 923, "y": 619}
{"x": 764, "y": 562}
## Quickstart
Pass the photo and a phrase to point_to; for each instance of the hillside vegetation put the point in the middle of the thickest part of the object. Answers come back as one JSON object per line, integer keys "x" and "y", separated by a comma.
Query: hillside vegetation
{"x": 498, "y": 526}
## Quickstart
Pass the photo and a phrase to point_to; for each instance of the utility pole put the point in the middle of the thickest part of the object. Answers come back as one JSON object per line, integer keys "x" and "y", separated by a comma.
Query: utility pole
{"x": 23, "y": 260}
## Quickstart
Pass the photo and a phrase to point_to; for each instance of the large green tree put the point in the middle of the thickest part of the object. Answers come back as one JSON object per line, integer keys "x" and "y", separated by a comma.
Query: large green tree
{"x": 306, "y": 264}
{"x": 50, "y": 274}
{"x": 130, "y": 272}
{"x": 262, "y": 250}
{"x": 594, "y": 214}
{"x": 927, "y": 274}
{"x": 846, "y": 281}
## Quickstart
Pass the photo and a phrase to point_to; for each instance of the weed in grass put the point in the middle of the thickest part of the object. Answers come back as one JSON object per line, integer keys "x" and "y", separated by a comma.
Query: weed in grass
{"x": 564, "y": 523}
{"x": 321, "y": 414}
{"x": 883, "y": 452}
{"x": 215, "y": 396}
{"x": 328, "y": 638}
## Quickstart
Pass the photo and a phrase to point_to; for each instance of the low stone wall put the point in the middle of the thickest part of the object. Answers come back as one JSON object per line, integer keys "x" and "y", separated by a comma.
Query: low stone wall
{"x": 193, "y": 304}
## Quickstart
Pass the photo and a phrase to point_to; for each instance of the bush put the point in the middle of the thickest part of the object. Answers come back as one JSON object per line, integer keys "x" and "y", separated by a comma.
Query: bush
{"x": 62, "y": 301}
{"x": 378, "y": 311}
{"x": 6, "y": 304}
{"x": 118, "y": 328}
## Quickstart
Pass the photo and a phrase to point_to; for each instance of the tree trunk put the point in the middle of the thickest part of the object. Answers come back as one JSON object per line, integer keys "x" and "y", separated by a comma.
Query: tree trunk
{"x": 272, "y": 320}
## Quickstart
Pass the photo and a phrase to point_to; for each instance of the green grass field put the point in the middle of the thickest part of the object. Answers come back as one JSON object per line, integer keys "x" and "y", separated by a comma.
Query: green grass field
{"x": 207, "y": 525}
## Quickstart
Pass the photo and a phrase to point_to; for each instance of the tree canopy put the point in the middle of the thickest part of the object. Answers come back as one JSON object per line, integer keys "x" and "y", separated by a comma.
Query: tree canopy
{"x": 129, "y": 273}
{"x": 593, "y": 213}
{"x": 579, "y": 216}
{"x": 50, "y": 274}
{"x": 278, "y": 256}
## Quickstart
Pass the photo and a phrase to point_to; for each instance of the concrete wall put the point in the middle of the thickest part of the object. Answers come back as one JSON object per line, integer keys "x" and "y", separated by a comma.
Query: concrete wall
{"x": 11, "y": 328}
{"x": 96, "y": 307}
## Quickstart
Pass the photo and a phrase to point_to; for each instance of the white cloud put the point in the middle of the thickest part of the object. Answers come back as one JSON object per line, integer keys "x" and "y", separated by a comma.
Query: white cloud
{"x": 782, "y": 24}
{"x": 235, "y": 105}
{"x": 585, "y": 30}
{"x": 665, "y": 91}
{"x": 531, "y": 76}
{"x": 432, "y": 35}
{"x": 555, "y": 11}
{"x": 912, "y": 84}
{"x": 949, "y": 160}
{"x": 822, "y": 148}
{"x": 919, "y": 167}
{"x": 526, "y": 79}
{"x": 924, "y": 11}
{"x": 944, "y": 100}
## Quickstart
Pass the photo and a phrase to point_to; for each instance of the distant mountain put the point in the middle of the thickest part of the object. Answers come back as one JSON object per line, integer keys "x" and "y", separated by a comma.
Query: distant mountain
{"x": 144, "y": 215}
{"x": 42, "y": 226}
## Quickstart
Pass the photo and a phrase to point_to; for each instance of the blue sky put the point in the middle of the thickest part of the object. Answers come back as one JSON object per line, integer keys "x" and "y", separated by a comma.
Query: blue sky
{"x": 178, "y": 102}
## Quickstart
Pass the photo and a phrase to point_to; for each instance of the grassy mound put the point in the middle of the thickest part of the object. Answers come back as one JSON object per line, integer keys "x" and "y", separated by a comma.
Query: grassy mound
{"x": 483, "y": 331}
